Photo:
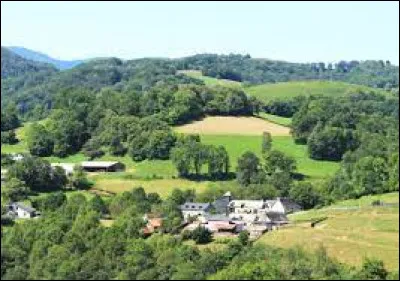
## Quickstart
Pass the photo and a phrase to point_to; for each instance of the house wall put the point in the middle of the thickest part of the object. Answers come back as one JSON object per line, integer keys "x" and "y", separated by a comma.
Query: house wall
{"x": 278, "y": 207}
{"x": 187, "y": 214}
{"x": 23, "y": 214}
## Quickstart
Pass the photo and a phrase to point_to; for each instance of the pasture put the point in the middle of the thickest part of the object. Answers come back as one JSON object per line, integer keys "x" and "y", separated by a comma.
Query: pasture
{"x": 348, "y": 235}
{"x": 210, "y": 81}
{"x": 284, "y": 90}
{"x": 284, "y": 121}
{"x": 237, "y": 145}
{"x": 161, "y": 176}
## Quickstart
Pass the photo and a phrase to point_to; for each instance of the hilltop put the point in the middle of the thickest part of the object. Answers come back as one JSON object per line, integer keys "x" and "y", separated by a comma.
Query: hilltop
{"x": 40, "y": 57}
{"x": 13, "y": 65}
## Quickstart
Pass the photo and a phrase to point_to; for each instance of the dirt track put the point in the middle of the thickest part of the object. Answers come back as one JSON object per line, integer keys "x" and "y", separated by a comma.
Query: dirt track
{"x": 226, "y": 125}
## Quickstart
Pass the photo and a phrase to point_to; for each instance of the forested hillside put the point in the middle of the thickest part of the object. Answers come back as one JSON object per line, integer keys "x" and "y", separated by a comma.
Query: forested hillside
{"x": 377, "y": 74}
{"x": 37, "y": 89}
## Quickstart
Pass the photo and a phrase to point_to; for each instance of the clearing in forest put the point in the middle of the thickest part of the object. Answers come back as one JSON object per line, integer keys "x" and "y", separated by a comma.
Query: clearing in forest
{"x": 228, "y": 125}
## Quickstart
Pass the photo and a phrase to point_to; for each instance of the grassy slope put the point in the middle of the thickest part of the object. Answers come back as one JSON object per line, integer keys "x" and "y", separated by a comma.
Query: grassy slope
{"x": 237, "y": 145}
{"x": 348, "y": 235}
{"x": 266, "y": 92}
{"x": 284, "y": 121}
{"x": 210, "y": 81}
{"x": 20, "y": 146}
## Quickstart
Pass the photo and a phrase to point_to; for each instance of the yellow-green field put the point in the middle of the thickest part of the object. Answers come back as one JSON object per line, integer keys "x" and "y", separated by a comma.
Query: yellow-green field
{"x": 348, "y": 235}
{"x": 233, "y": 125}
{"x": 163, "y": 187}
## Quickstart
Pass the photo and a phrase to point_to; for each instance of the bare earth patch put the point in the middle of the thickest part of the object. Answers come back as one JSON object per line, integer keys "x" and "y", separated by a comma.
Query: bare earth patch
{"x": 228, "y": 125}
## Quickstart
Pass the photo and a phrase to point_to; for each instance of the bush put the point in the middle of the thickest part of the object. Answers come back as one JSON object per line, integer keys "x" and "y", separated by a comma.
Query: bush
{"x": 9, "y": 137}
{"x": 244, "y": 237}
{"x": 201, "y": 235}
{"x": 93, "y": 154}
{"x": 186, "y": 235}
{"x": 373, "y": 269}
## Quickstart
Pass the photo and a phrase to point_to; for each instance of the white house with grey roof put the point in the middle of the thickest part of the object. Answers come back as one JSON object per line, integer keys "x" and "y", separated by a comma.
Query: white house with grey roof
{"x": 267, "y": 213}
{"x": 195, "y": 210}
{"x": 21, "y": 211}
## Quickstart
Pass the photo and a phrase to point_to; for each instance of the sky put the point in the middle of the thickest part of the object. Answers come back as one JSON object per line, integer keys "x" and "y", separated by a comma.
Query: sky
{"x": 291, "y": 31}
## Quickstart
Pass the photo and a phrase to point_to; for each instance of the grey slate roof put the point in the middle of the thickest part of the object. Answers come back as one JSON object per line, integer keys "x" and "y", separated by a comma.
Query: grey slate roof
{"x": 191, "y": 206}
{"x": 221, "y": 204}
{"x": 277, "y": 217}
{"x": 24, "y": 207}
{"x": 289, "y": 204}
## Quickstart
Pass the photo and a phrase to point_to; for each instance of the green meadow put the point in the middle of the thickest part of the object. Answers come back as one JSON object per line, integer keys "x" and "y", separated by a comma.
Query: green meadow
{"x": 284, "y": 121}
{"x": 161, "y": 176}
{"x": 267, "y": 92}
{"x": 237, "y": 145}
{"x": 210, "y": 81}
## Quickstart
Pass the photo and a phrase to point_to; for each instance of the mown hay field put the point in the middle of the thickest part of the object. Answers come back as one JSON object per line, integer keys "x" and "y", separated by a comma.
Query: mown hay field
{"x": 349, "y": 235}
{"x": 229, "y": 125}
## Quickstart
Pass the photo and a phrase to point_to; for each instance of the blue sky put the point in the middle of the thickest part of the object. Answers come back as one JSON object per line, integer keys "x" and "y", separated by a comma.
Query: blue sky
{"x": 292, "y": 31}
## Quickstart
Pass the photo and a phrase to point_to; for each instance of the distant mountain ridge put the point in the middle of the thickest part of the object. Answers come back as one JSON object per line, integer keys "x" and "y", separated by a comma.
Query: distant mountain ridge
{"x": 40, "y": 57}
{"x": 13, "y": 65}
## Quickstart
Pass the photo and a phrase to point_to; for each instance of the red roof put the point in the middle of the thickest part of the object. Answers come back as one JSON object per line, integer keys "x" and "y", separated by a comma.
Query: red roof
{"x": 156, "y": 222}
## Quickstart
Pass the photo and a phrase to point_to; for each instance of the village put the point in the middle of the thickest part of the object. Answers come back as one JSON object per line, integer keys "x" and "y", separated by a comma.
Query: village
{"x": 224, "y": 217}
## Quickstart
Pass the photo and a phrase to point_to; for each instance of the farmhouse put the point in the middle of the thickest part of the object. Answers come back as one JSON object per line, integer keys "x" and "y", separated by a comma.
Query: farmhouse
{"x": 153, "y": 225}
{"x": 21, "y": 211}
{"x": 102, "y": 166}
{"x": 193, "y": 210}
{"x": 250, "y": 211}
{"x": 68, "y": 168}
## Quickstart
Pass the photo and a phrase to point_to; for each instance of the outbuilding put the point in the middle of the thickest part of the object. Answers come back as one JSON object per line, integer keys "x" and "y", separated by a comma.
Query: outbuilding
{"x": 102, "y": 166}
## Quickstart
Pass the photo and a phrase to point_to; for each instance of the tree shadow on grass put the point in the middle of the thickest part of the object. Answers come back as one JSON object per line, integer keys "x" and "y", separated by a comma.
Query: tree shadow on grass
{"x": 299, "y": 176}
{"x": 218, "y": 177}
